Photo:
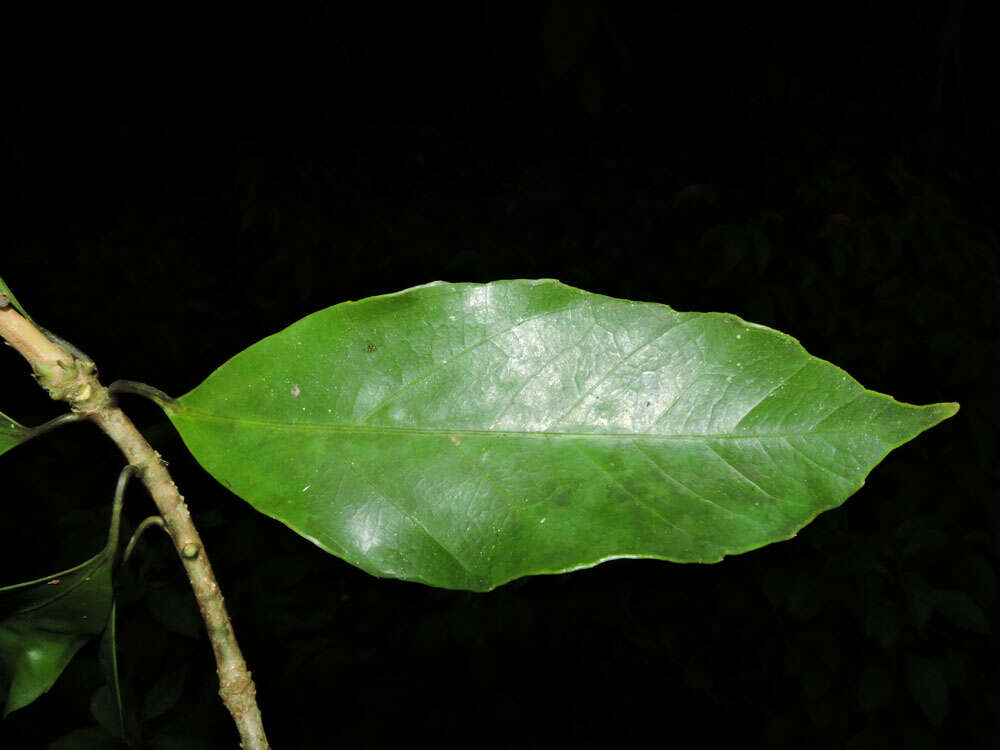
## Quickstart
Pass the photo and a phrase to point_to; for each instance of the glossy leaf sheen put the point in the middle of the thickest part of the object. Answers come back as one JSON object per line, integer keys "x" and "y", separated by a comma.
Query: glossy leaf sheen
{"x": 463, "y": 435}
{"x": 44, "y": 623}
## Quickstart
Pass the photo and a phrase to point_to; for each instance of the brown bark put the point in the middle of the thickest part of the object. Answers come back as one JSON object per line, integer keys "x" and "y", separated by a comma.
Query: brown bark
{"x": 70, "y": 379}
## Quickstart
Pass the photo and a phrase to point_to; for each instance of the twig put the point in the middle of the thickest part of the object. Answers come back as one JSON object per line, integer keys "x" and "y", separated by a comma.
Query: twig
{"x": 69, "y": 379}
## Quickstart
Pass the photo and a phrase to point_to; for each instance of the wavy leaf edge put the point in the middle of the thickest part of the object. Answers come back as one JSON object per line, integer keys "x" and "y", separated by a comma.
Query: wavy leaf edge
{"x": 178, "y": 411}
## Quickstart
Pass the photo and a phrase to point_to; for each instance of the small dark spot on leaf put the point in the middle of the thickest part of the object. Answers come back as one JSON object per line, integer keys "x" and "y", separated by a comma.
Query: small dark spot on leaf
{"x": 371, "y": 347}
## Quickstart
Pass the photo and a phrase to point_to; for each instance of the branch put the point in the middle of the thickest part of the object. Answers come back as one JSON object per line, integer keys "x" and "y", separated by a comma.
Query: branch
{"x": 24, "y": 336}
{"x": 68, "y": 378}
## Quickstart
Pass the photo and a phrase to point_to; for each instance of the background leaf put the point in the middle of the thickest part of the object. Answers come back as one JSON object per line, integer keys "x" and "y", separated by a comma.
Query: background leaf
{"x": 43, "y": 623}
{"x": 11, "y": 433}
{"x": 463, "y": 435}
{"x": 12, "y": 299}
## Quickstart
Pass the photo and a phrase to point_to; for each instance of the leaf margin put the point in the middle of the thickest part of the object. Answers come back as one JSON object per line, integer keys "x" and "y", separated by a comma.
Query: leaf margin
{"x": 176, "y": 411}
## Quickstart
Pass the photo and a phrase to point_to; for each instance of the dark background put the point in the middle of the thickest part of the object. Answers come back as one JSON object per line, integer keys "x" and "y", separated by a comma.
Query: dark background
{"x": 185, "y": 186}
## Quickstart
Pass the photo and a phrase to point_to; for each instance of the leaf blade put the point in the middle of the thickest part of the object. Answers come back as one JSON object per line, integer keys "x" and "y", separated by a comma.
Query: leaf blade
{"x": 531, "y": 427}
{"x": 5, "y": 290}
{"x": 45, "y": 622}
{"x": 11, "y": 433}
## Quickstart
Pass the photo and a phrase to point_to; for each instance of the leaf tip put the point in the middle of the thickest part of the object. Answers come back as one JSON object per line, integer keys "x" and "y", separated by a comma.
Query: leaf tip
{"x": 945, "y": 410}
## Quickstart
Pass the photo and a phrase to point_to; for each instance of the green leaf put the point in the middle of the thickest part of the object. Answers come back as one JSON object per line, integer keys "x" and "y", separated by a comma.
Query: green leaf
{"x": 5, "y": 290}
{"x": 11, "y": 433}
{"x": 463, "y": 435}
{"x": 43, "y": 623}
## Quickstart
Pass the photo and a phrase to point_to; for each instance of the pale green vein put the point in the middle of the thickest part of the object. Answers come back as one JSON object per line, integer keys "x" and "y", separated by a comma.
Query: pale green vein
{"x": 515, "y": 506}
{"x": 690, "y": 491}
{"x": 739, "y": 473}
{"x": 472, "y": 347}
{"x": 818, "y": 465}
{"x": 773, "y": 390}
{"x": 194, "y": 415}
{"x": 417, "y": 524}
{"x": 642, "y": 503}
{"x": 614, "y": 368}
{"x": 535, "y": 374}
